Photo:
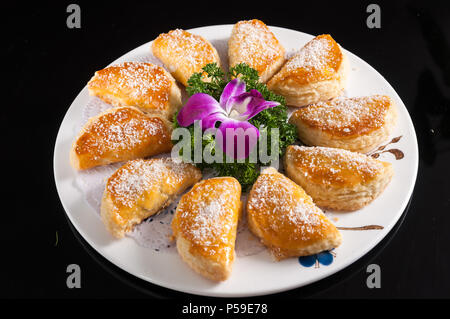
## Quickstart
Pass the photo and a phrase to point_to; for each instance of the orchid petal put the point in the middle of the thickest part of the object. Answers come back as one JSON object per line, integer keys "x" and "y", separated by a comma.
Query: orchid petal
{"x": 237, "y": 138}
{"x": 255, "y": 93}
{"x": 199, "y": 106}
{"x": 249, "y": 104}
{"x": 233, "y": 88}
{"x": 210, "y": 120}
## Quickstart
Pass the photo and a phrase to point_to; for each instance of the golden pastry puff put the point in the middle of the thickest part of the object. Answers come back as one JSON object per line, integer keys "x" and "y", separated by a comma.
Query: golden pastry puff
{"x": 316, "y": 73}
{"x": 144, "y": 85}
{"x": 336, "y": 178}
{"x": 184, "y": 53}
{"x": 142, "y": 188}
{"x": 286, "y": 219}
{"x": 120, "y": 134}
{"x": 357, "y": 124}
{"x": 253, "y": 43}
{"x": 205, "y": 225}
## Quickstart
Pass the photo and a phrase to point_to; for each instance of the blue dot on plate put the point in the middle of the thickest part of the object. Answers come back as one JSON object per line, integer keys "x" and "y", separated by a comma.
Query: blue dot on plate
{"x": 325, "y": 258}
{"x": 307, "y": 261}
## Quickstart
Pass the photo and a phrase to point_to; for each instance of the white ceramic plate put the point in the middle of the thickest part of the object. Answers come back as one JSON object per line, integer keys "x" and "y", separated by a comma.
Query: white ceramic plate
{"x": 257, "y": 274}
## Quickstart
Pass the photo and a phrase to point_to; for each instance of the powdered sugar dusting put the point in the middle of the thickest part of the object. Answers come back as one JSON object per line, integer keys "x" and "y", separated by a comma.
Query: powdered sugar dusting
{"x": 144, "y": 84}
{"x": 194, "y": 51}
{"x": 206, "y": 218}
{"x": 312, "y": 56}
{"x": 332, "y": 165}
{"x": 133, "y": 180}
{"x": 118, "y": 130}
{"x": 318, "y": 60}
{"x": 284, "y": 207}
{"x": 257, "y": 44}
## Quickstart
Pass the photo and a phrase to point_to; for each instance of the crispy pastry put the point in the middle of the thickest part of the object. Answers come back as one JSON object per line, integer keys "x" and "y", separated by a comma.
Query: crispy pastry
{"x": 285, "y": 218}
{"x": 205, "y": 225}
{"x": 316, "y": 73}
{"x": 357, "y": 124}
{"x": 144, "y": 85}
{"x": 120, "y": 134}
{"x": 253, "y": 43}
{"x": 184, "y": 53}
{"x": 336, "y": 178}
{"x": 140, "y": 189}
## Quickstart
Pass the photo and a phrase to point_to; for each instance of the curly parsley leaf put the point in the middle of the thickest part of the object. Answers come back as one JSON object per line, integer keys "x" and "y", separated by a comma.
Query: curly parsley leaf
{"x": 211, "y": 81}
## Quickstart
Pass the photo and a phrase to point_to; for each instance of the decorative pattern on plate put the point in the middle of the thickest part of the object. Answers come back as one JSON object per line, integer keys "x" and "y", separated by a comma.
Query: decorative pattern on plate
{"x": 324, "y": 258}
{"x": 395, "y": 151}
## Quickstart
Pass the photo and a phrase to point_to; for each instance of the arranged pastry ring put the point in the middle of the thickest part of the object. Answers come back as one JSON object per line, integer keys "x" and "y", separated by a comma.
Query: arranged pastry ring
{"x": 286, "y": 218}
{"x": 383, "y": 141}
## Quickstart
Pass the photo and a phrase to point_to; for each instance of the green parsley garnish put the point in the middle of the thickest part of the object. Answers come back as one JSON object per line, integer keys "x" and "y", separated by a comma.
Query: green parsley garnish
{"x": 212, "y": 81}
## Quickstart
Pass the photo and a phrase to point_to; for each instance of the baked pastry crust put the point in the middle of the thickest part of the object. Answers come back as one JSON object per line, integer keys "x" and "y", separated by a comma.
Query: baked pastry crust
{"x": 286, "y": 219}
{"x": 357, "y": 124}
{"x": 184, "y": 53}
{"x": 336, "y": 178}
{"x": 142, "y": 188}
{"x": 144, "y": 85}
{"x": 120, "y": 134}
{"x": 316, "y": 73}
{"x": 205, "y": 225}
{"x": 253, "y": 43}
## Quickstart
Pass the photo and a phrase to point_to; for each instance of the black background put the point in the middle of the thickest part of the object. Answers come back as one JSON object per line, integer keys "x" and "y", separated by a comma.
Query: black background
{"x": 47, "y": 64}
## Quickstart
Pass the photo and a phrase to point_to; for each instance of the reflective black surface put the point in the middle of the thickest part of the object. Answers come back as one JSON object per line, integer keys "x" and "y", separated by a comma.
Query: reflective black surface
{"x": 47, "y": 65}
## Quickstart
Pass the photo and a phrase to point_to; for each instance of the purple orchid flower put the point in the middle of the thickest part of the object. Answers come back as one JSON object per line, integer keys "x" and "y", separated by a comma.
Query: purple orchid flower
{"x": 235, "y": 108}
